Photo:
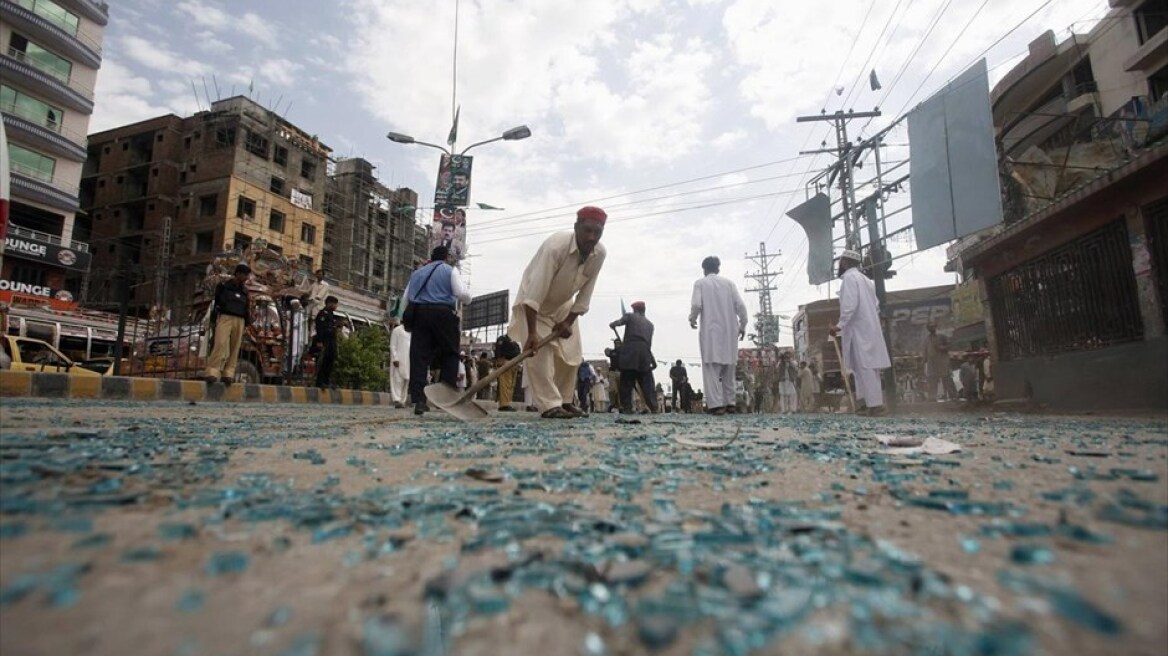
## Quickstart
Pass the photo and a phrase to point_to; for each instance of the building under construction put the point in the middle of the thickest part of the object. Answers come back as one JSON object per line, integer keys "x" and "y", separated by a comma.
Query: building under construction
{"x": 165, "y": 195}
{"x": 370, "y": 231}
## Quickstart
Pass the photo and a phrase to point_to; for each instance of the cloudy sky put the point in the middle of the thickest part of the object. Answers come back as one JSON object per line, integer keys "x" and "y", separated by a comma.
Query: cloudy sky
{"x": 677, "y": 116}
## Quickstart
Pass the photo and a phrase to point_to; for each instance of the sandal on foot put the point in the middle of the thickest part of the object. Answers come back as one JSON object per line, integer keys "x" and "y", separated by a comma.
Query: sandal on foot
{"x": 556, "y": 413}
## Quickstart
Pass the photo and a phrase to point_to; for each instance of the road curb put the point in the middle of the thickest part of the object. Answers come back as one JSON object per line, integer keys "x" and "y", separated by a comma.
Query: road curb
{"x": 31, "y": 384}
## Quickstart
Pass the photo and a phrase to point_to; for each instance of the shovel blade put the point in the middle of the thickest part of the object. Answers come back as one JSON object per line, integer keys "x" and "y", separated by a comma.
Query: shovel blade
{"x": 450, "y": 399}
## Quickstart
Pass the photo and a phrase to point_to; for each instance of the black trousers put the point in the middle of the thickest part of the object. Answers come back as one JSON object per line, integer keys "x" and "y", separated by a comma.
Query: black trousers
{"x": 630, "y": 378}
{"x": 433, "y": 342}
{"x": 324, "y": 366}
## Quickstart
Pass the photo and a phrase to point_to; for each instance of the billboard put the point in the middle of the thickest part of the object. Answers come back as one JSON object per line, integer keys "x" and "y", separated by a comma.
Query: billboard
{"x": 487, "y": 310}
{"x": 954, "y": 171}
{"x": 453, "y": 186}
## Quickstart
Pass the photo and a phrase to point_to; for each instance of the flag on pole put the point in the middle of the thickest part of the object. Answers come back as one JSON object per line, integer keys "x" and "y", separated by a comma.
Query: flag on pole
{"x": 454, "y": 128}
{"x": 484, "y": 206}
{"x": 872, "y": 81}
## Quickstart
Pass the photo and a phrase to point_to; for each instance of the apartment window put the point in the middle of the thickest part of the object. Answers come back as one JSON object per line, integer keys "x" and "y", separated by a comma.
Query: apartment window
{"x": 256, "y": 144}
{"x": 240, "y": 241}
{"x": 187, "y": 143}
{"x": 1158, "y": 84}
{"x": 308, "y": 169}
{"x": 30, "y": 109}
{"x": 305, "y": 261}
{"x": 225, "y": 136}
{"x": 275, "y": 248}
{"x": 246, "y": 208}
{"x": 308, "y": 233}
{"x": 204, "y": 241}
{"x": 54, "y": 12}
{"x": 276, "y": 186}
{"x": 1151, "y": 17}
{"x": 208, "y": 204}
{"x": 40, "y": 58}
{"x": 276, "y": 221}
{"x": 280, "y": 155}
{"x": 31, "y": 163}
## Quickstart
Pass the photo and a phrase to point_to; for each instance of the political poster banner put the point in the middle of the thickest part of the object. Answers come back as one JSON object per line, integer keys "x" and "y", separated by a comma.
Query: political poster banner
{"x": 449, "y": 229}
{"x": 453, "y": 187}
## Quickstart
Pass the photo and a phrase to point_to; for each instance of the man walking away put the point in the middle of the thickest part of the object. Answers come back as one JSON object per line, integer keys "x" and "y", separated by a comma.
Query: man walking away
{"x": 506, "y": 349}
{"x": 677, "y": 376}
{"x": 436, "y": 290}
{"x": 556, "y": 288}
{"x": 788, "y": 402}
{"x": 808, "y": 388}
{"x": 864, "y": 351}
{"x": 937, "y": 365}
{"x": 230, "y": 314}
{"x": 584, "y": 379}
{"x": 636, "y": 358}
{"x": 723, "y": 323}
{"x": 326, "y": 341}
{"x": 399, "y": 357}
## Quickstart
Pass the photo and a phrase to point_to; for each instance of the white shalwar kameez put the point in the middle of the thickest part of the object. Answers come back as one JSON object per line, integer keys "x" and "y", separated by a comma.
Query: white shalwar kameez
{"x": 723, "y": 317}
{"x": 399, "y": 352}
{"x": 864, "y": 351}
{"x": 556, "y": 282}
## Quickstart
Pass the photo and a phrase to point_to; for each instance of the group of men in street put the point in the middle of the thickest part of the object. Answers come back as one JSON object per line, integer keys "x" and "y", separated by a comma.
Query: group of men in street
{"x": 555, "y": 290}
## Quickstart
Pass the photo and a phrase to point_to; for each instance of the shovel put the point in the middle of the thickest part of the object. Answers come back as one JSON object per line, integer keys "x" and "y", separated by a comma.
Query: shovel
{"x": 844, "y": 371}
{"x": 461, "y": 404}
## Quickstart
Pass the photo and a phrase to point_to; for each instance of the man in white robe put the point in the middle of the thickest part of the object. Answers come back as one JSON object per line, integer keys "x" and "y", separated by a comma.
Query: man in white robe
{"x": 399, "y": 371}
{"x": 556, "y": 289}
{"x": 723, "y": 313}
{"x": 864, "y": 350}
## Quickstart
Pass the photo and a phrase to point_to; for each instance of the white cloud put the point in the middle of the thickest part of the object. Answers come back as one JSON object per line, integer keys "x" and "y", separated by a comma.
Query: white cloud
{"x": 280, "y": 72}
{"x": 122, "y": 98}
{"x": 159, "y": 58}
{"x": 210, "y": 15}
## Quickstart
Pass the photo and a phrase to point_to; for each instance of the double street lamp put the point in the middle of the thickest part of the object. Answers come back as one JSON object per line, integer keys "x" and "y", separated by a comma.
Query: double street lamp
{"x": 514, "y": 134}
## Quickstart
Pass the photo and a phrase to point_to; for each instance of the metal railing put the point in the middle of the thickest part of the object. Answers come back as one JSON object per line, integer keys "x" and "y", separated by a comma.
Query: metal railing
{"x": 40, "y": 176}
{"x": 1078, "y": 297}
{"x": 46, "y": 237}
{"x": 67, "y": 79}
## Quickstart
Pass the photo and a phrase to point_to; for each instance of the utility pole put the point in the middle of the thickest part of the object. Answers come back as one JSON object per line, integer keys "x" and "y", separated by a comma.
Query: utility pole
{"x": 766, "y": 323}
{"x": 843, "y": 152}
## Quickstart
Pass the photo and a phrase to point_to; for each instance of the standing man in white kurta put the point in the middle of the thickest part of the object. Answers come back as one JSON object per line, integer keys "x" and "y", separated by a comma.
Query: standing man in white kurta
{"x": 399, "y": 370}
{"x": 556, "y": 289}
{"x": 717, "y": 301}
{"x": 864, "y": 351}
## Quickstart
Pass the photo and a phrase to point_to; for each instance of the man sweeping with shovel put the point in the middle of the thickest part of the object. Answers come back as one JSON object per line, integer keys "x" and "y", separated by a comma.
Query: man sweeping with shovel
{"x": 556, "y": 289}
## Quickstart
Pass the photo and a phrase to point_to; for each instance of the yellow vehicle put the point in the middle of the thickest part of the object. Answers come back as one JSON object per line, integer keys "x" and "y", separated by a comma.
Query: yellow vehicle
{"x": 28, "y": 354}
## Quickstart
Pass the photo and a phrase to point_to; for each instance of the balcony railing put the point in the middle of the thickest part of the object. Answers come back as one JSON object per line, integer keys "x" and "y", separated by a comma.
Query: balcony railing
{"x": 68, "y": 37}
{"x": 46, "y": 237}
{"x": 66, "y": 78}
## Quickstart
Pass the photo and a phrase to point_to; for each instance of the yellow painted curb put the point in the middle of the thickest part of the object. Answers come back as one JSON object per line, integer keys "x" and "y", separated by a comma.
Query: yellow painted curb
{"x": 194, "y": 390}
{"x": 84, "y": 387}
{"x": 299, "y": 395}
{"x": 15, "y": 383}
{"x": 145, "y": 389}
{"x": 268, "y": 393}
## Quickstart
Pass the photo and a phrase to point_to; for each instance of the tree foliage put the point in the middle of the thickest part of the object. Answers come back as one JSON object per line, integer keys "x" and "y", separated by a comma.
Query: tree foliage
{"x": 361, "y": 360}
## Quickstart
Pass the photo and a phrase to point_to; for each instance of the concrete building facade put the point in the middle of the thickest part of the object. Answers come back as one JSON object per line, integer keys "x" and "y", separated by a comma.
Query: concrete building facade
{"x": 50, "y": 54}
{"x": 165, "y": 195}
{"x": 1072, "y": 286}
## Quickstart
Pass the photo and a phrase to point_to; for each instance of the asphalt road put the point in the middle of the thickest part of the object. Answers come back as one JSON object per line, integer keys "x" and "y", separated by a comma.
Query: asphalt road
{"x": 131, "y": 528}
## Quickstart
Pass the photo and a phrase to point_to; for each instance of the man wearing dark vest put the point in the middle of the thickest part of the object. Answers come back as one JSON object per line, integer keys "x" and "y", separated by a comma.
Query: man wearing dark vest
{"x": 435, "y": 289}
{"x": 230, "y": 315}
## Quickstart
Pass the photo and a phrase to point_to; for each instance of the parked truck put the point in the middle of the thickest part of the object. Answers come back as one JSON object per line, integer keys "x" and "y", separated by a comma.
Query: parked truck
{"x": 281, "y": 292}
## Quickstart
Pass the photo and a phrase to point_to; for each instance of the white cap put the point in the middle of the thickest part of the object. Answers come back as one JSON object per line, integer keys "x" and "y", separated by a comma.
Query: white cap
{"x": 850, "y": 255}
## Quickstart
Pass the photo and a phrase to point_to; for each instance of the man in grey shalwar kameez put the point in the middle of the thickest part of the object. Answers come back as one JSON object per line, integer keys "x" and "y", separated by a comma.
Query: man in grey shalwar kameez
{"x": 636, "y": 358}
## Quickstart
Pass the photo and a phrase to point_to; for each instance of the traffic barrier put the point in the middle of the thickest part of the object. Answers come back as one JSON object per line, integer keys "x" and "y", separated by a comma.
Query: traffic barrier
{"x": 31, "y": 384}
